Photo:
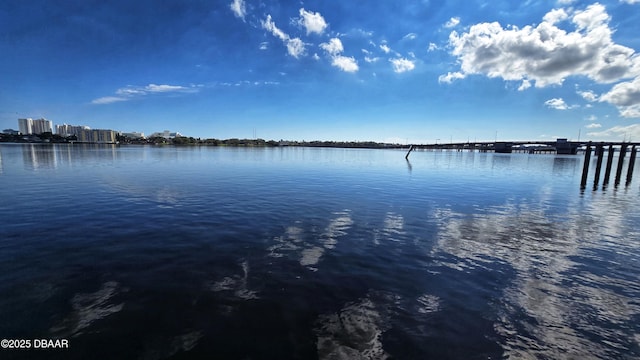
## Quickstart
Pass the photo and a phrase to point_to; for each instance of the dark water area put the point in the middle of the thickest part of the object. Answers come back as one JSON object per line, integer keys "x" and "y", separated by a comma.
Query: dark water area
{"x": 310, "y": 253}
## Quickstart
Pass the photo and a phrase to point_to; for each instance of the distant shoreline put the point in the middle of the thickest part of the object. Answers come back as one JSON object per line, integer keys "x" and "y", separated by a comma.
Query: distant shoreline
{"x": 190, "y": 141}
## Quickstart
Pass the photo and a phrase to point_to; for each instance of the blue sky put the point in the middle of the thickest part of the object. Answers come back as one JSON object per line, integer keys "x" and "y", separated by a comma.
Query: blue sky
{"x": 392, "y": 71}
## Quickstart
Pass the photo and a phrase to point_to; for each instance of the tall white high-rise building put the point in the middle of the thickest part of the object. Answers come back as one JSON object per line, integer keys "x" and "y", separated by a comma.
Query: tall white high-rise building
{"x": 68, "y": 130}
{"x": 25, "y": 126}
{"x": 42, "y": 126}
{"x": 29, "y": 126}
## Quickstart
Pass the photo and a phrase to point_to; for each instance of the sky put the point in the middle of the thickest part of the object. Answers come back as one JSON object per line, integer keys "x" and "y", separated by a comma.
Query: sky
{"x": 419, "y": 71}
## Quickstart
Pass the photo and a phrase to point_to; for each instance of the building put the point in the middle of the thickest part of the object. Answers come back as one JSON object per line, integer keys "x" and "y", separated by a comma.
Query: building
{"x": 25, "y": 126}
{"x": 99, "y": 136}
{"x": 166, "y": 134}
{"x": 29, "y": 126}
{"x": 70, "y": 130}
{"x": 10, "y": 132}
{"x": 133, "y": 135}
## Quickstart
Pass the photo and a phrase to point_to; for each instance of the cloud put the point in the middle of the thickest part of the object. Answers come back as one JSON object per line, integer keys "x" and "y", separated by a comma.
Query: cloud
{"x": 593, "y": 126}
{"x": 385, "y": 48}
{"x": 556, "y": 103}
{"x": 453, "y": 22}
{"x": 401, "y": 65}
{"x": 592, "y": 118}
{"x": 312, "y": 22}
{"x": 588, "y": 95}
{"x": 631, "y": 1}
{"x": 239, "y": 9}
{"x": 525, "y": 85}
{"x": 131, "y": 92}
{"x": 627, "y": 132}
{"x": 264, "y": 45}
{"x": 108, "y": 100}
{"x": 432, "y": 47}
{"x": 295, "y": 46}
{"x": 626, "y": 96}
{"x": 546, "y": 54}
{"x": 450, "y": 77}
{"x": 334, "y": 49}
{"x": 410, "y": 36}
{"x": 347, "y": 64}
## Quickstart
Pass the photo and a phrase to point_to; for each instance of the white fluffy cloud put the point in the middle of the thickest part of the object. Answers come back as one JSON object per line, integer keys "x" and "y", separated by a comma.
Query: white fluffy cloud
{"x": 626, "y": 96}
{"x": 385, "y": 48}
{"x": 344, "y": 63}
{"x": 593, "y": 126}
{"x": 557, "y": 103}
{"x": 619, "y": 132}
{"x": 312, "y": 22}
{"x": 401, "y": 65}
{"x": 588, "y": 95}
{"x": 239, "y": 8}
{"x": 545, "y": 54}
{"x": 295, "y": 46}
{"x": 334, "y": 49}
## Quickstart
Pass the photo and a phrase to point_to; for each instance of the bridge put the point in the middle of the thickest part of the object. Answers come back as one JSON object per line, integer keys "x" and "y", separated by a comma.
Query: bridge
{"x": 560, "y": 146}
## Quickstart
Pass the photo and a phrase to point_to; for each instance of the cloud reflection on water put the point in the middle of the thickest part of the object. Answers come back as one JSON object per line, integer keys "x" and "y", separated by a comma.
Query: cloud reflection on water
{"x": 558, "y": 305}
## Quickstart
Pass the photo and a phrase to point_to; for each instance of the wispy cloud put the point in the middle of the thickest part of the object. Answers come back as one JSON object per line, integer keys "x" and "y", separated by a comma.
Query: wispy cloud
{"x": 453, "y": 22}
{"x": 410, "y": 36}
{"x": 132, "y": 92}
{"x": 312, "y": 22}
{"x": 295, "y": 46}
{"x": 593, "y": 126}
{"x": 239, "y": 8}
{"x": 108, "y": 100}
{"x": 629, "y": 132}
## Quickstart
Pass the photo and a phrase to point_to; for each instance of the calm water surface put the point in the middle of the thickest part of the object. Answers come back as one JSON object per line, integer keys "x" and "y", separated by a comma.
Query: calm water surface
{"x": 307, "y": 253}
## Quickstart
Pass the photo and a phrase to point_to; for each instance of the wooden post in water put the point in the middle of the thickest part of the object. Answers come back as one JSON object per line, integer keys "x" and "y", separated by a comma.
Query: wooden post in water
{"x": 409, "y": 152}
{"x": 607, "y": 172}
{"x": 585, "y": 167}
{"x": 632, "y": 161}
{"x": 623, "y": 151}
{"x": 600, "y": 155}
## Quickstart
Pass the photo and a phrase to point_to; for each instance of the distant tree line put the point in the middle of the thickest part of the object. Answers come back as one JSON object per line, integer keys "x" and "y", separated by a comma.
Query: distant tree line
{"x": 186, "y": 141}
{"x": 43, "y": 137}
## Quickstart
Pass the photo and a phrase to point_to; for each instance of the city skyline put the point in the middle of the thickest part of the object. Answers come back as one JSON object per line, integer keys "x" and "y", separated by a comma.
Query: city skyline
{"x": 400, "y": 72}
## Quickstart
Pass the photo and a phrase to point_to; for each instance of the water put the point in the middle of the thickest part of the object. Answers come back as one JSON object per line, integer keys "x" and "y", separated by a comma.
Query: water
{"x": 306, "y": 253}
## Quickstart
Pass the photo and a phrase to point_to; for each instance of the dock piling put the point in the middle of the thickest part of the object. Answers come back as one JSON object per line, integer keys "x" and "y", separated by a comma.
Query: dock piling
{"x": 409, "y": 152}
{"x": 600, "y": 155}
{"x": 632, "y": 161}
{"x": 607, "y": 172}
{"x": 623, "y": 150}
{"x": 585, "y": 166}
